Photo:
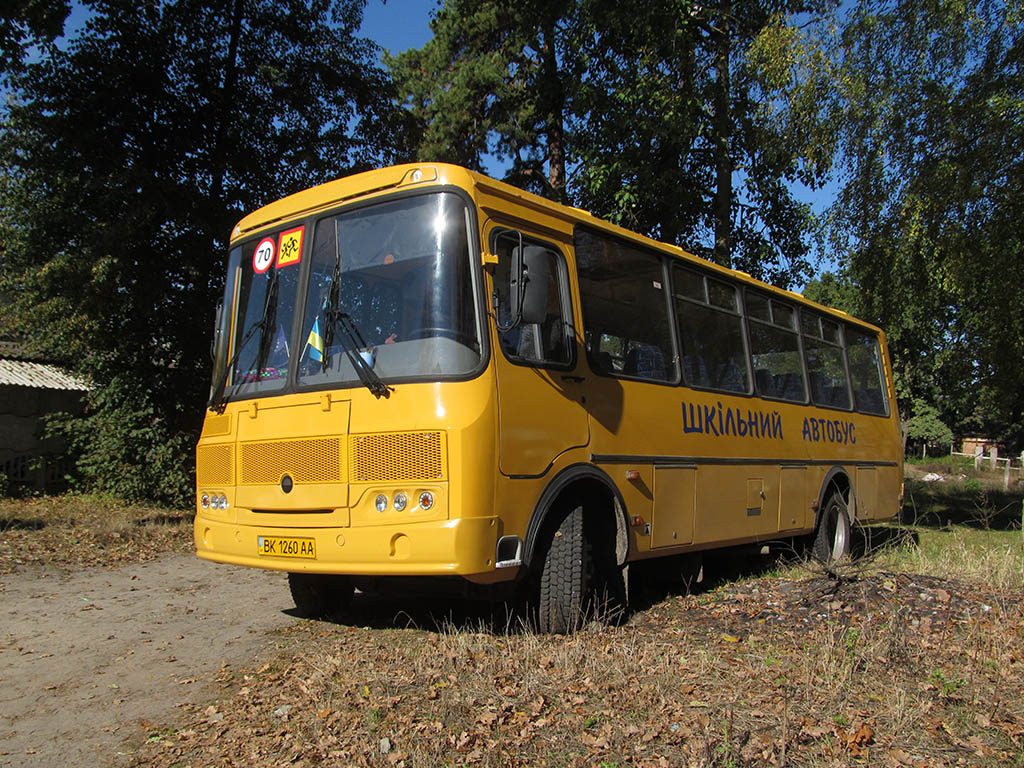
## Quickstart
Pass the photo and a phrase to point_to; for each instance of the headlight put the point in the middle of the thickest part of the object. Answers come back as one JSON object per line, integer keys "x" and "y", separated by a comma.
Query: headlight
{"x": 204, "y": 501}
{"x": 381, "y": 502}
{"x": 426, "y": 500}
{"x": 400, "y": 501}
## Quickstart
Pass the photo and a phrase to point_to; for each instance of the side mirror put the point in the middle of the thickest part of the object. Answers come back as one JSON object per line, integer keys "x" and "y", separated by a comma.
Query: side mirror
{"x": 536, "y": 274}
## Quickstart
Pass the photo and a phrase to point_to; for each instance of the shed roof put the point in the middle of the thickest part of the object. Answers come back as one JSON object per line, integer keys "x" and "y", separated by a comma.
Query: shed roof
{"x": 22, "y": 373}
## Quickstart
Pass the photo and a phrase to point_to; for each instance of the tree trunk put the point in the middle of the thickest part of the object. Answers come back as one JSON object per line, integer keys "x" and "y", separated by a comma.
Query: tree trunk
{"x": 226, "y": 101}
{"x": 555, "y": 128}
{"x": 723, "y": 130}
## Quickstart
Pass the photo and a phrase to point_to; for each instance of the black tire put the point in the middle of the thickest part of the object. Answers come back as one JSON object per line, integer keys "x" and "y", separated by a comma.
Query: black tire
{"x": 832, "y": 539}
{"x": 320, "y": 595}
{"x": 579, "y": 578}
{"x": 565, "y": 578}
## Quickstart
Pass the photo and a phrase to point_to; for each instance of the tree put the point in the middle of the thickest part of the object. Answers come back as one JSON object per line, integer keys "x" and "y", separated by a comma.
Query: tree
{"x": 925, "y": 427}
{"x": 835, "y": 291}
{"x": 926, "y": 110}
{"x": 494, "y": 78}
{"x": 126, "y": 160}
{"x": 24, "y": 22}
{"x": 646, "y": 113}
{"x": 680, "y": 129}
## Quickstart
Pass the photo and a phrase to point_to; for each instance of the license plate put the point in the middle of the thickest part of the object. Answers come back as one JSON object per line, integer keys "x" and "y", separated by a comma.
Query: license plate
{"x": 277, "y": 546}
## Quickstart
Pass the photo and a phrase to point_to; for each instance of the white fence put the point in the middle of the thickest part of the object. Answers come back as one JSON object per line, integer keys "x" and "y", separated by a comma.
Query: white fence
{"x": 996, "y": 462}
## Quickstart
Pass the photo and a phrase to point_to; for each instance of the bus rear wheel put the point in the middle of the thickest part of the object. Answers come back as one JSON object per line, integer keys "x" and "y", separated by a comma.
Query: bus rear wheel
{"x": 320, "y": 595}
{"x": 832, "y": 539}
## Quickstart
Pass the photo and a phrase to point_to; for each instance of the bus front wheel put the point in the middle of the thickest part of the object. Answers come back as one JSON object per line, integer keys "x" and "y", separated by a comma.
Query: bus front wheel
{"x": 579, "y": 579}
{"x": 832, "y": 539}
{"x": 320, "y": 595}
{"x": 565, "y": 577}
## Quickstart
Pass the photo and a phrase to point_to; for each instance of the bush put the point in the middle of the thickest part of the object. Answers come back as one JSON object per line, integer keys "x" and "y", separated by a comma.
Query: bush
{"x": 122, "y": 446}
{"x": 925, "y": 426}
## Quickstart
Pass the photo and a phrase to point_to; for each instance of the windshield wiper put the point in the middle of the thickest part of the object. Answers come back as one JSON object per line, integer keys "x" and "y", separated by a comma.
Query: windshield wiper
{"x": 352, "y": 341}
{"x": 364, "y": 370}
{"x": 218, "y": 399}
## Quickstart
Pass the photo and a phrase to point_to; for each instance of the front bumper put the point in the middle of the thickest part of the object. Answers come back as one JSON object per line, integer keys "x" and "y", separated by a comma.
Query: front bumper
{"x": 464, "y": 547}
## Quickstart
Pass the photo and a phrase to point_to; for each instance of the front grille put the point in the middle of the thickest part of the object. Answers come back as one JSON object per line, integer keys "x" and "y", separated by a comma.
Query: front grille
{"x": 215, "y": 465}
{"x": 307, "y": 461}
{"x": 395, "y": 456}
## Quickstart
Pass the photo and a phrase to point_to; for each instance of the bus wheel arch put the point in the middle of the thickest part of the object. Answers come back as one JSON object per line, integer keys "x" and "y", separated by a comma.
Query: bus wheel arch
{"x": 591, "y": 484}
{"x": 576, "y": 545}
{"x": 832, "y": 537}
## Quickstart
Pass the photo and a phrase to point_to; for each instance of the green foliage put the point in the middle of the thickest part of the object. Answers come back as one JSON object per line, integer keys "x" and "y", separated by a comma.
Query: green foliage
{"x": 23, "y": 22}
{"x": 673, "y": 140}
{"x": 126, "y": 447}
{"x": 124, "y": 162}
{"x": 648, "y": 114}
{"x": 494, "y": 79}
{"x": 924, "y": 110}
{"x": 834, "y": 291}
{"x": 925, "y": 425}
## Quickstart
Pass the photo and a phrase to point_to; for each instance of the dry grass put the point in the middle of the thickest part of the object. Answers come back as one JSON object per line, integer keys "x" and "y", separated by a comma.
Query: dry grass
{"x": 914, "y": 655}
{"x": 884, "y": 666}
{"x": 76, "y": 530}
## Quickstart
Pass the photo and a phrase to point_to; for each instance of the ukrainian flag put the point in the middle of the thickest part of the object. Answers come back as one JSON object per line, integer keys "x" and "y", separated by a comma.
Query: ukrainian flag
{"x": 315, "y": 342}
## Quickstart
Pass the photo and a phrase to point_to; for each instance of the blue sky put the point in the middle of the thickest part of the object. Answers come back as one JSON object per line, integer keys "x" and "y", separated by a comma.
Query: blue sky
{"x": 398, "y": 24}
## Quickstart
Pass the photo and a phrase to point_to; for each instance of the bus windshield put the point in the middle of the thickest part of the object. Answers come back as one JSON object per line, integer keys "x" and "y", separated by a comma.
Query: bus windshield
{"x": 402, "y": 299}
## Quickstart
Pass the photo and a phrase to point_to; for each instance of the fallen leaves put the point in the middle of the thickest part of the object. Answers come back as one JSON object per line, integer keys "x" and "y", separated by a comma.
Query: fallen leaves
{"x": 761, "y": 673}
{"x": 857, "y": 740}
{"x": 79, "y": 531}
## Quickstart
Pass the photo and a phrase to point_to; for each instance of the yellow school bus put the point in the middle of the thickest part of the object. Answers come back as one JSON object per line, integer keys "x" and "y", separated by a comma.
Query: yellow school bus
{"x": 421, "y": 371}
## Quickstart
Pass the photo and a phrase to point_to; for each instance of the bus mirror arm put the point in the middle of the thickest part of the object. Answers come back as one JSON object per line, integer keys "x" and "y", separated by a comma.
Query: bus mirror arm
{"x": 529, "y": 277}
{"x": 516, "y": 287}
{"x": 216, "y": 330}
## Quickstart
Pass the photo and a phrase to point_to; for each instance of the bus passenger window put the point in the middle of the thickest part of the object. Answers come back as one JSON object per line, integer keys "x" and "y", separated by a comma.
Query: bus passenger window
{"x": 547, "y": 342}
{"x": 774, "y": 349}
{"x": 826, "y": 363}
{"x": 866, "y": 372}
{"x": 711, "y": 334}
{"x": 625, "y": 312}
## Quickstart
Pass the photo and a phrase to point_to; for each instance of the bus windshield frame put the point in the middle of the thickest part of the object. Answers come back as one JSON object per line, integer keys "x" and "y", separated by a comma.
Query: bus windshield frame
{"x": 409, "y": 284}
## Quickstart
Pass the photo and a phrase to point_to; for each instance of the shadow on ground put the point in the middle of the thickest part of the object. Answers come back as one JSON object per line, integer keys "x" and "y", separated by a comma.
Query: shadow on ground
{"x": 939, "y": 505}
{"x": 443, "y": 605}
{"x": 21, "y": 524}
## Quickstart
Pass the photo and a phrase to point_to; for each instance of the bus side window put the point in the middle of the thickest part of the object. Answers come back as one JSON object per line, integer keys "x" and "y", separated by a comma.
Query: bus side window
{"x": 625, "y": 309}
{"x": 774, "y": 348}
{"x": 710, "y": 332}
{"x": 547, "y": 342}
{"x": 826, "y": 364}
{"x": 866, "y": 372}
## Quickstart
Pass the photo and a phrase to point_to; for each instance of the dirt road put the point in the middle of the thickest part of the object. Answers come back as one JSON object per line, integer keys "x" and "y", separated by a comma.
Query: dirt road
{"x": 87, "y": 658}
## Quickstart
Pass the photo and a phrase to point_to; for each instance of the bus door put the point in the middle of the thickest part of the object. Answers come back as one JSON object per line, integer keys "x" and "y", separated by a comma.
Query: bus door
{"x": 540, "y": 390}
